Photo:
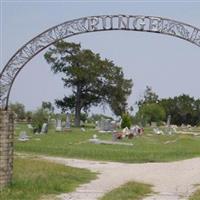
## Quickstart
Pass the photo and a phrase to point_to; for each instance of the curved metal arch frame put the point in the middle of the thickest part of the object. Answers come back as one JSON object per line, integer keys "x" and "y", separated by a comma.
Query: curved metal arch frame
{"x": 85, "y": 25}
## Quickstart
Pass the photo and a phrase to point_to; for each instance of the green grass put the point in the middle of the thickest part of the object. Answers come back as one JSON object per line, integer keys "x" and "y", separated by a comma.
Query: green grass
{"x": 195, "y": 196}
{"x": 75, "y": 144}
{"x": 129, "y": 191}
{"x": 35, "y": 178}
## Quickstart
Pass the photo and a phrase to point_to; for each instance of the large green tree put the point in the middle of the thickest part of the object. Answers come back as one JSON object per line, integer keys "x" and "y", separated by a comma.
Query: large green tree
{"x": 93, "y": 80}
{"x": 151, "y": 112}
{"x": 149, "y": 97}
{"x": 48, "y": 106}
{"x": 39, "y": 117}
{"x": 183, "y": 109}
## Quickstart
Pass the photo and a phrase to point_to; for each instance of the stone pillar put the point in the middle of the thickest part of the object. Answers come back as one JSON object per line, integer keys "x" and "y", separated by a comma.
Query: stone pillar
{"x": 6, "y": 147}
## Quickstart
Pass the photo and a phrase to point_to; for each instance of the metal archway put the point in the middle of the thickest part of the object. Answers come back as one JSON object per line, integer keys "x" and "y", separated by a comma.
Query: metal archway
{"x": 85, "y": 25}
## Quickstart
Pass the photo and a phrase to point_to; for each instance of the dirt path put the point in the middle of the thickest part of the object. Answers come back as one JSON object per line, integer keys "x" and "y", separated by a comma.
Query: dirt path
{"x": 171, "y": 181}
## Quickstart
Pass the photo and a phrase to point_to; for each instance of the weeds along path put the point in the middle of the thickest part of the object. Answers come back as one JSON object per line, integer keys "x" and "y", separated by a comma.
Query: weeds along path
{"x": 171, "y": 181}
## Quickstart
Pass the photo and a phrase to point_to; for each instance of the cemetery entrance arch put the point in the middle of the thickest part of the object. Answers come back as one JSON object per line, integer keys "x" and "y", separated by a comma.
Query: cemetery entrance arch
{"x": 67, "y": 29}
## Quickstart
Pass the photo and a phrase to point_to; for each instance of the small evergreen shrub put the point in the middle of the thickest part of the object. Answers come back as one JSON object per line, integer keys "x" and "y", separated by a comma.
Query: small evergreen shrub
{"x": 126, "y": 121}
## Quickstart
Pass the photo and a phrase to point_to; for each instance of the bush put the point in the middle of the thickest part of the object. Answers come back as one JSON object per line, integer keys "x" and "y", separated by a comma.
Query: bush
{"x": 126, "y": 121}
{"x": 39, "y": 117}
{"x": 151, "y": 112}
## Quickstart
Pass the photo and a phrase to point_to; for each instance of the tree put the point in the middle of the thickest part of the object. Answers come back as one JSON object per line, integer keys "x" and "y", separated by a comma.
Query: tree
{"x": 126, "y": 121}
{"x": 151, "y": 112}
{"x": 196, "y": 118}
{"x": 183, "y": 109}
{"x": 118, "y": 91}
{"x": 149, "y": 97}
{"x": 19, "y": 110}
{"x": 48, "y": 106}
{"x": 93, "y": 80}
{"x": 39, "y": 117}
{"x": 29, "y": 116}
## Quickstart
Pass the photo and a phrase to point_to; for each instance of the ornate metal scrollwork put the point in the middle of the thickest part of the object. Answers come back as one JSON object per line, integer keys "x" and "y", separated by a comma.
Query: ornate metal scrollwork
{"x": 84, "y": 25}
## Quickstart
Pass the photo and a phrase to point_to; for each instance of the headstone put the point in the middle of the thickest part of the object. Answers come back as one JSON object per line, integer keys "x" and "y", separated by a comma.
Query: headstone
{"x": 168, "y": 120}
{"x": 158, "y": 131}
{"x": 67, "y": 121}
{"x": 52, "y": 123}
{"x": 81, "y": 123}
{"x": 58, "y": 125}
{"x": 114, "y": 136}
{"x": 29, "y": 126}
{"x": 97, "y": 126}
{"x": 23, "y": 136}
{"x": 113, "y": 125}
{"x": 174, "y": 128}
{"x": 101, "y": 125}
{"x": 94, "y": 136}
{"x": 189, "y": 127}
{"x": 153, "y": 124}
{"x": 183, "y": 126}
{"x": 94, "y": 140}
{"x": 169, "y": 130}
{"x": 105, "y": 125}
{"x": 82, "y": 129}
{"x": 44, "y": 128}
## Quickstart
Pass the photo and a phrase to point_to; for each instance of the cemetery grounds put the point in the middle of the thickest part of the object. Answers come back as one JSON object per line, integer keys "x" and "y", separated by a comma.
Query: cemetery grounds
{"x": 148, "y": 148}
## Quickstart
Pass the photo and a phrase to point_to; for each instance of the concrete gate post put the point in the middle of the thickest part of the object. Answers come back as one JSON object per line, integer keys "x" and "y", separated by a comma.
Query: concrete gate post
{"x": 6, "y": 147}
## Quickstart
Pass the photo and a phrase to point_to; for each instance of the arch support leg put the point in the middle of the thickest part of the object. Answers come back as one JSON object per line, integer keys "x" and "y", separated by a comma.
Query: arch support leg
{"x": 6, "y": 147}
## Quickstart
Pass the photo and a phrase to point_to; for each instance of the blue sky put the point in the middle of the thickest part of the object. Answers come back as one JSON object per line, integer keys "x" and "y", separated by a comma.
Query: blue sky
{"x": 168, "y": 64}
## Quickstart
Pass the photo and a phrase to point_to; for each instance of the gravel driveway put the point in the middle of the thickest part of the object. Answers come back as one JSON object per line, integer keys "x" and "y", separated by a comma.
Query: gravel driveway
{"x": 171, "y": 181}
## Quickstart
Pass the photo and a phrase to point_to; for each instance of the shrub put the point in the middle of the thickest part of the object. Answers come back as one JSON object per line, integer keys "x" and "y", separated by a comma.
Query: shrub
{"x": 126, "y": 121}
{"x": 40, "y": 116}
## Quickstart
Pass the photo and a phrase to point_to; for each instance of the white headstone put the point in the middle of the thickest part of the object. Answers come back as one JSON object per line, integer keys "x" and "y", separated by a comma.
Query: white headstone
{"x": 67, "y": 121}
{"x": 23, "y": 136}
{"x": 58, "y": 125}
{"x": 82, "y": 129}
{"x": 168, "y": 120}
{"x": 44, "y": 128}
{"x": 29, "y": 126}
{"x": 105, "y": 125}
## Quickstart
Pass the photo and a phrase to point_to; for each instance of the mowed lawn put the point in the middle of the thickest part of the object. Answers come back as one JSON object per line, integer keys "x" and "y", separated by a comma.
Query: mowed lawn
{"x": 75, "y": 144}
{"x": 34, "y": 179}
